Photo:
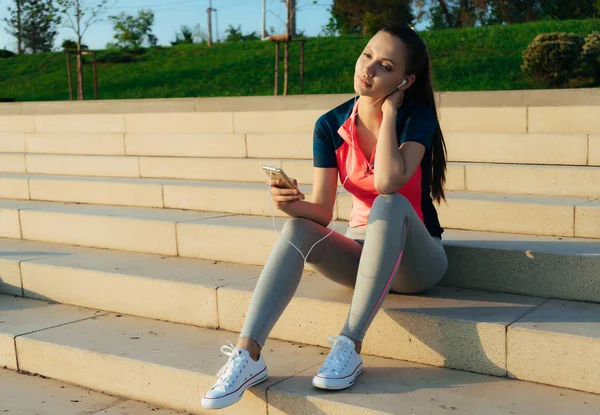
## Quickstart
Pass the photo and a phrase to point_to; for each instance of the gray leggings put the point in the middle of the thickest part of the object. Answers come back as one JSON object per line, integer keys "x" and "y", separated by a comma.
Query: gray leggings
{"x": 399, "y": 255}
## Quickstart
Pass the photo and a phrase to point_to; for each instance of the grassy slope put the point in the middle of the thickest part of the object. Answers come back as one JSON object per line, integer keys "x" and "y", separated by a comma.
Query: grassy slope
{"x": 486, "y": 58}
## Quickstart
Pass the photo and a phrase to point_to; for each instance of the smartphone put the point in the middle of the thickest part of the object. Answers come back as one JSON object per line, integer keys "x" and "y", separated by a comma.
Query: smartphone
{"x": 278, "y": 174}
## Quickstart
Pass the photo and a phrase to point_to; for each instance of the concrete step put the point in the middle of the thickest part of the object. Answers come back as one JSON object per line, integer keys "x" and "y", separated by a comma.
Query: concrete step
{"x": 121, "y": 144}
{"x": 534, "y": 215}
{"x": 173, "y": 365}
{"x": 529, "y": 148}
{"x": 185, "y": 168}
{"x": 226, "y": 122}
{"x": 550, "y": 180}
{"x": 477, "y": 147}
{"x": 523, "y": 264}
{"x": 251, "y": 103}
{"x": 545, "y": 180}
{"x": 111, "y": 227}
{"x": 563, "y": 181}
{"x": 25, "y": 393}
{"x": 170, "y": 288}
{"x": 525, "y": 98}
{"x": 494, "y": 212}
{"x": 155, "y": 193}
{"x": 448, "y": 327}
{"x": 508, "y": 119}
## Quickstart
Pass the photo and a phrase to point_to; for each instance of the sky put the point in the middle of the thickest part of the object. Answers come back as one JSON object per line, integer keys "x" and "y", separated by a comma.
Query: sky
{"x": 170, "y": 15}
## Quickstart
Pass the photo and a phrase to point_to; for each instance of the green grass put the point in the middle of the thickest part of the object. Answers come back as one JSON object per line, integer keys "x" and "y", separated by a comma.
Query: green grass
{"x": 474, "y": 59}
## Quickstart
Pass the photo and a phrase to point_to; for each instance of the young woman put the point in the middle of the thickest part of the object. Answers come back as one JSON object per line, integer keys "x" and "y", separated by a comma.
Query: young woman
{"x": 388, "y": 150}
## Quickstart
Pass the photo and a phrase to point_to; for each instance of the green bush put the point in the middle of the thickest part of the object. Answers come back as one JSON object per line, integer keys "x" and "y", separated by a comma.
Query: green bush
{"x": 590, "y": 56}
{"x": 121, "y": 55}
{"x": 71, "y": 44}
{"x": 115, "y": 56}
{"x": 553, "y": 58}
{"x": 6, "y": 53}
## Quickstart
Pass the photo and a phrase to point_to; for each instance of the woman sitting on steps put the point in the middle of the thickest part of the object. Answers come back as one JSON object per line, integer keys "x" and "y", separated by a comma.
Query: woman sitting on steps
{"x": 388, "y": 150}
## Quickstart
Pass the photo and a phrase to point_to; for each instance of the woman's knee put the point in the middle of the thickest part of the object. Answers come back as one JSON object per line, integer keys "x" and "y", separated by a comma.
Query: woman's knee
{"x": 394, "y": 199}
{"x": 393, "y": 202}
{"x": 419, "y": 277}
{"x": 298, "y": 227}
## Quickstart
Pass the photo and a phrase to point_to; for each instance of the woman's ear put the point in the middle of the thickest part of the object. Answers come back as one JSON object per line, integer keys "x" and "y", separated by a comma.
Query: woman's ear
{"x": 410, "y": 79}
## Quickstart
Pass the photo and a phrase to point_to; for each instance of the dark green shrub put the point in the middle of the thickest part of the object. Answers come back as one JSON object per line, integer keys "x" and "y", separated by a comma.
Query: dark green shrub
{"x": 115, "y": 56}
{"x": 6, "y": 53}
{"x": 118, "y": 55}
{"x": 590, "y": 56}
{"x": 553, "y": 58}
{"x": 71, "y": 44}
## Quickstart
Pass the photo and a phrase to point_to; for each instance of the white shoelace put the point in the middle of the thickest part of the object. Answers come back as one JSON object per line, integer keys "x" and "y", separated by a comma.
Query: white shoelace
{"x": 338, "y": 355}
{"x": 232, "y": 365}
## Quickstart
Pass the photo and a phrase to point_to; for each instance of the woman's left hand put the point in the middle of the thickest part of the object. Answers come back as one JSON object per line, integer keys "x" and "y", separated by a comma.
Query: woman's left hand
{"x": 393, "y": 101}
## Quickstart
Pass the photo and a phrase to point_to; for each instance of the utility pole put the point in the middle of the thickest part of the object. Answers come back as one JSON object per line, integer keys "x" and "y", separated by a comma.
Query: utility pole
{"x": 209, "y": 13}
{"x": 217, "y": 25}
{"x": 263, "y": 33}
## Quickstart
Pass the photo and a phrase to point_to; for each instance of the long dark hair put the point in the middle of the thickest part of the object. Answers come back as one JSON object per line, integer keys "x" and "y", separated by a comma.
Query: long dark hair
{"x": 421, "y": 91}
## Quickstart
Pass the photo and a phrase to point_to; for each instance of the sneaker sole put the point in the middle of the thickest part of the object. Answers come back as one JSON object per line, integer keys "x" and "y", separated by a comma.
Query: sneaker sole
{"x": 231, "y": 399}
{"x": 322, "y": 383}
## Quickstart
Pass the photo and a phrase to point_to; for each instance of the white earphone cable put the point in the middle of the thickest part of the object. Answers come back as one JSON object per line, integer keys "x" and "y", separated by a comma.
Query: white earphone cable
{"x": 353, "y": 118}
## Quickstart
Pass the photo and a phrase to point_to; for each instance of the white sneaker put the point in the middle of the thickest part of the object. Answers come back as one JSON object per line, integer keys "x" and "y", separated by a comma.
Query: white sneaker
{"x": 342, "y": 366}
{"x": 239, "y": 373}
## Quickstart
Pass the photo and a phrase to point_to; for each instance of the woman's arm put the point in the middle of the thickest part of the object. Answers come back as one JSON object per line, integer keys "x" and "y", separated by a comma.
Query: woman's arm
{"x": 320, "y": 210}
{"x": 394, "y": 165}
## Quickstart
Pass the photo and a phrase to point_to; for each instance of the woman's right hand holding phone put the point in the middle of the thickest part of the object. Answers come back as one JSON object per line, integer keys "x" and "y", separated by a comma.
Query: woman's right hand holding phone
{"x": 283, "y": 196}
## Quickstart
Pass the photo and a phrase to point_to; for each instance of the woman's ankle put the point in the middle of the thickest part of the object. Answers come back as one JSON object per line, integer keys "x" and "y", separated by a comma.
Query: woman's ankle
{"x": 357, "y": 344}
{"x": 358, "y": 347}
{"x": 251, "y": 346}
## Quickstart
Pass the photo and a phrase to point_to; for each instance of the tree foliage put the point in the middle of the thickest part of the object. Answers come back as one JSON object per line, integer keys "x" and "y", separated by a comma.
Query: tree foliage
{"x": 184, "y": 36}
{"x": 468, "y": 13}
{"x": 366, "y": 17}
{"x": 34, "y": 24}
{"x": 133, "y": 32}
{"x": 80, "y": 15}
{"x": 234, "y": 34}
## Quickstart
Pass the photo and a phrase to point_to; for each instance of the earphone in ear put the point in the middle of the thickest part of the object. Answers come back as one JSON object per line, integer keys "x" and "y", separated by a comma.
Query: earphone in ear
{"x": 402, "y": 84}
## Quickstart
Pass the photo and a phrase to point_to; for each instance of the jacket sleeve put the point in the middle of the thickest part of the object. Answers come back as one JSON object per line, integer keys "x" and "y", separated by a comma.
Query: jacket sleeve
{"x": 323, "y": 146}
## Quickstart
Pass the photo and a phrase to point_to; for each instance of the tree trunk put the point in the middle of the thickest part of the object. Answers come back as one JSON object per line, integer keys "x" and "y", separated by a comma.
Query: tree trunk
{"x": 529, "y": 14}
{"x": 504, "y": 12}
{"x": 446, "y": 12}
{"x": 286, "y": 67}
{"x": 291, "y": 5}
{"x": 80, "y": 94}
{"x": 34, "y": 46}
{"x": 19, "y": 29}
{"x": 463, "y": 14}
{"x": 292, "y": 18}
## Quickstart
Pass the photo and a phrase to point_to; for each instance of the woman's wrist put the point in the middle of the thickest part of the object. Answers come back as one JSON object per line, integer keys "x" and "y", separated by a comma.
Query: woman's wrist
{"x": 389, "y": 110}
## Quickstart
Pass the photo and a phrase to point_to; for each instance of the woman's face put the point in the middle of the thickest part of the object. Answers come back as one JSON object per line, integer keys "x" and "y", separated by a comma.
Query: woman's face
{"x": 381, "y": 66}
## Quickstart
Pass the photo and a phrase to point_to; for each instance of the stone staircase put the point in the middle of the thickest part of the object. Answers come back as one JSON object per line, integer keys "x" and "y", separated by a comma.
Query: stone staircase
{"x": 35, "y": 394}
{"x": 132, "y": 235}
